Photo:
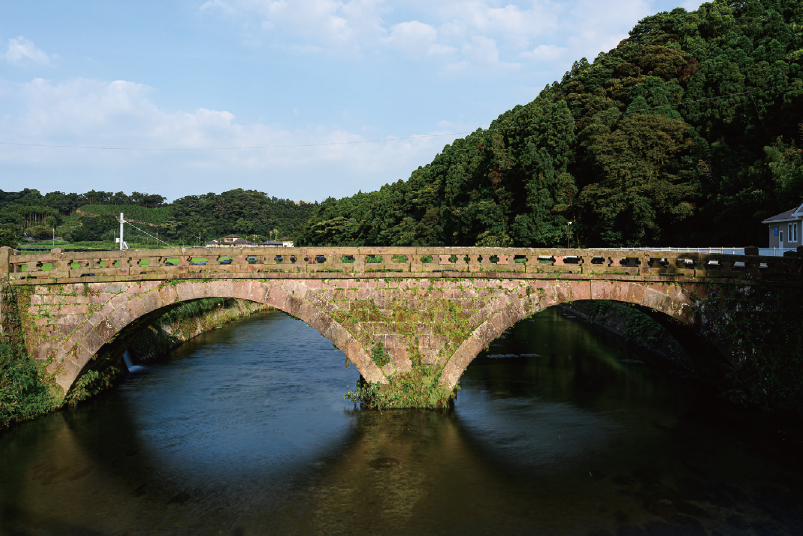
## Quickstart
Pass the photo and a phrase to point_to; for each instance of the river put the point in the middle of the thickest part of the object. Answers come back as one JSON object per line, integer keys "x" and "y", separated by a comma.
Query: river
{"x": 244, "y": 430}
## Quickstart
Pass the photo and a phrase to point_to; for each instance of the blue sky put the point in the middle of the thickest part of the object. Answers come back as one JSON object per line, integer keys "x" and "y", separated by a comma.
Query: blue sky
{"x": 313, "y": 83}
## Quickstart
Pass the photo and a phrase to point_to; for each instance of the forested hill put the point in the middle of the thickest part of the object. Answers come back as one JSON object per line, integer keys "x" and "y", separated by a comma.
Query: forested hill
{"x": 687, "y": 134}
{"x": 92, "y": 216}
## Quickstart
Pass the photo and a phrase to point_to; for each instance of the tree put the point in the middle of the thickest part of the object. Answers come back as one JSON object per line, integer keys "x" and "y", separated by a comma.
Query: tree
{"x": 40, "y": 232}
{"x": 643, "y": 187}
{"x": 9, "y": 237}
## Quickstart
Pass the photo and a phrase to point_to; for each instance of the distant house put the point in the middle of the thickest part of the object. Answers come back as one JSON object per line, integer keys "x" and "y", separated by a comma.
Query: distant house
{"x": 234, "y": 240}
{"x": 785, "y": 228}
{"x": 228, "y": 240}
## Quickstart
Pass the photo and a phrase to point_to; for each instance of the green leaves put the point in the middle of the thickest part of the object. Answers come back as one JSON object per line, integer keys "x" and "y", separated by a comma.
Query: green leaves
{"x": 9, "y": 237}
{"x": 418, "y": 388}
{"x": 379, "y": 355}
{"x": 25, "y": 390}
{"x": 643, "y": 185}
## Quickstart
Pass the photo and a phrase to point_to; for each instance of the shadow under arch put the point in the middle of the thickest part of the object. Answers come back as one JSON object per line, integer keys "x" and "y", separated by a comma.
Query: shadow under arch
{"x": 675, "y": 307}
{"x": 110, "y": 329}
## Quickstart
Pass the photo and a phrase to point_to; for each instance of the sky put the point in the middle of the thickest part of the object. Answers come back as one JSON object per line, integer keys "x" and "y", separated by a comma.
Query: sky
{"x": 300, "y": 99}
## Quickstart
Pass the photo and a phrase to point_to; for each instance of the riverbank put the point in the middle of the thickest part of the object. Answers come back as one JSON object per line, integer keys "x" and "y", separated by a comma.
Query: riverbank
{"x": 27, "y": 390}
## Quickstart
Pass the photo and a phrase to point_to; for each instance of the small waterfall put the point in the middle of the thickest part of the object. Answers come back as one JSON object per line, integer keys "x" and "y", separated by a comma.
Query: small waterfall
{"x": 129, "y": 363}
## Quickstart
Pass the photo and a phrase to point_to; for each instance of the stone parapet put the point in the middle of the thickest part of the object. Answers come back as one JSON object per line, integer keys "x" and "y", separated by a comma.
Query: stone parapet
{"x": 379, "y": 262}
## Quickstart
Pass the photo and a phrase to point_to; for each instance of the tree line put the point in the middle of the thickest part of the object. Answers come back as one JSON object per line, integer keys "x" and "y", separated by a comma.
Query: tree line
{"x": 90, "y": 217}
{"x": 688, "y": 133}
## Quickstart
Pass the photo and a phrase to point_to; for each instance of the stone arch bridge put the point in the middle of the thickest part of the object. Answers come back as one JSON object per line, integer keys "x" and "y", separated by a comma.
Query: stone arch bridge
{"x": 438, "y": 305}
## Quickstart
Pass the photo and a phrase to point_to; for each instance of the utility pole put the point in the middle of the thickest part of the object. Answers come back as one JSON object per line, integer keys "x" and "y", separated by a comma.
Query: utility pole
{"x": 121, "y": 231}
{"x": 567, "y": 235}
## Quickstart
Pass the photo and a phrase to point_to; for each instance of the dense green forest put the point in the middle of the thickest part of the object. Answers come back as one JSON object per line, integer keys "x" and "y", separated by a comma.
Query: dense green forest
{"x": 92, "y": 216}
{"x": 688, "y": 133}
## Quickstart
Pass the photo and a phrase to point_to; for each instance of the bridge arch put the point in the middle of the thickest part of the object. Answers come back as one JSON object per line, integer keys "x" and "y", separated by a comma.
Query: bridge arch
{"x": 671, "y": 301}
{"x": 143, "y": 301}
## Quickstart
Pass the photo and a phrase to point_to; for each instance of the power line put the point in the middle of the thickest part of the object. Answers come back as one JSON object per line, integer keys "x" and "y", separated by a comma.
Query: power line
{"x": 420, "y": 136}
{"x": 143, "y": 232}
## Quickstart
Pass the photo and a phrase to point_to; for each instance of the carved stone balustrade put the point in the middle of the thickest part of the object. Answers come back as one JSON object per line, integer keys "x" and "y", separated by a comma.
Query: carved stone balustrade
{"x": 334, "y": 262}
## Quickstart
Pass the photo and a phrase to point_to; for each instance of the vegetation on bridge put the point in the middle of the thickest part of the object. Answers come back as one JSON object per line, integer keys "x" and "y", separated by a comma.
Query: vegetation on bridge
{"x": 27, "y": 390}
{"x": 418, "y": 388}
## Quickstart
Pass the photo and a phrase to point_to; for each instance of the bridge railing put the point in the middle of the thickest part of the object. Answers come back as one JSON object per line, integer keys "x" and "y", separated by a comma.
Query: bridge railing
{"x": 425, "y": 261}
{"x": 767, "y": 252}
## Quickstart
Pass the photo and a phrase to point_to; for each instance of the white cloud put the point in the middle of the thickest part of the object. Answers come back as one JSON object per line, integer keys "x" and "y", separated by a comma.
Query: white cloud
{"x": 464, "y": 35}
{"x": 326, "y": 160}
{"x": 481, "y": 49}
{"x": 510, "y": 23}
{"x": 416, "y": 39}
{"x": 325, "y": 25}
{"x": 21, "y": 49}
{"x": 546, "y": 53}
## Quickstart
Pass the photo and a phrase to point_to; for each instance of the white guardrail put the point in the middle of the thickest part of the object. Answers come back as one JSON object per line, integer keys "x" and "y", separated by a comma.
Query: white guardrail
{"x": 763, "y": 252}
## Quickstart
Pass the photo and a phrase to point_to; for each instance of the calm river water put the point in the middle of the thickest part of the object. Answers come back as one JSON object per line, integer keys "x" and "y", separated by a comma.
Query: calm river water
{"x": 245, "y": 431}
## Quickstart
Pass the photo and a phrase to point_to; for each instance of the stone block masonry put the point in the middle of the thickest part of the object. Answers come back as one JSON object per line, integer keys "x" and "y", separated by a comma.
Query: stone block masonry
{"x": 447, "y": 321}
{"x": 441, "y": 313}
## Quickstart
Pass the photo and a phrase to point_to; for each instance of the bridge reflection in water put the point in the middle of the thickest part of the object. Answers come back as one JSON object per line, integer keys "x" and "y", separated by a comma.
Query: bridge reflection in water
{"x": 439, "y": 305}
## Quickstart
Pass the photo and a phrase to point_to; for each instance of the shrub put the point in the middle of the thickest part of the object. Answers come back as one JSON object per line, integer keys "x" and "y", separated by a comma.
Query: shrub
{"x": 24, "y": 387}
{"x": 40, "y": 231}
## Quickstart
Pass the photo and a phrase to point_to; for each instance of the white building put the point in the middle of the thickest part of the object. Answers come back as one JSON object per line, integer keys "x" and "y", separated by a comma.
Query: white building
{"x": 784, "y": 228}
